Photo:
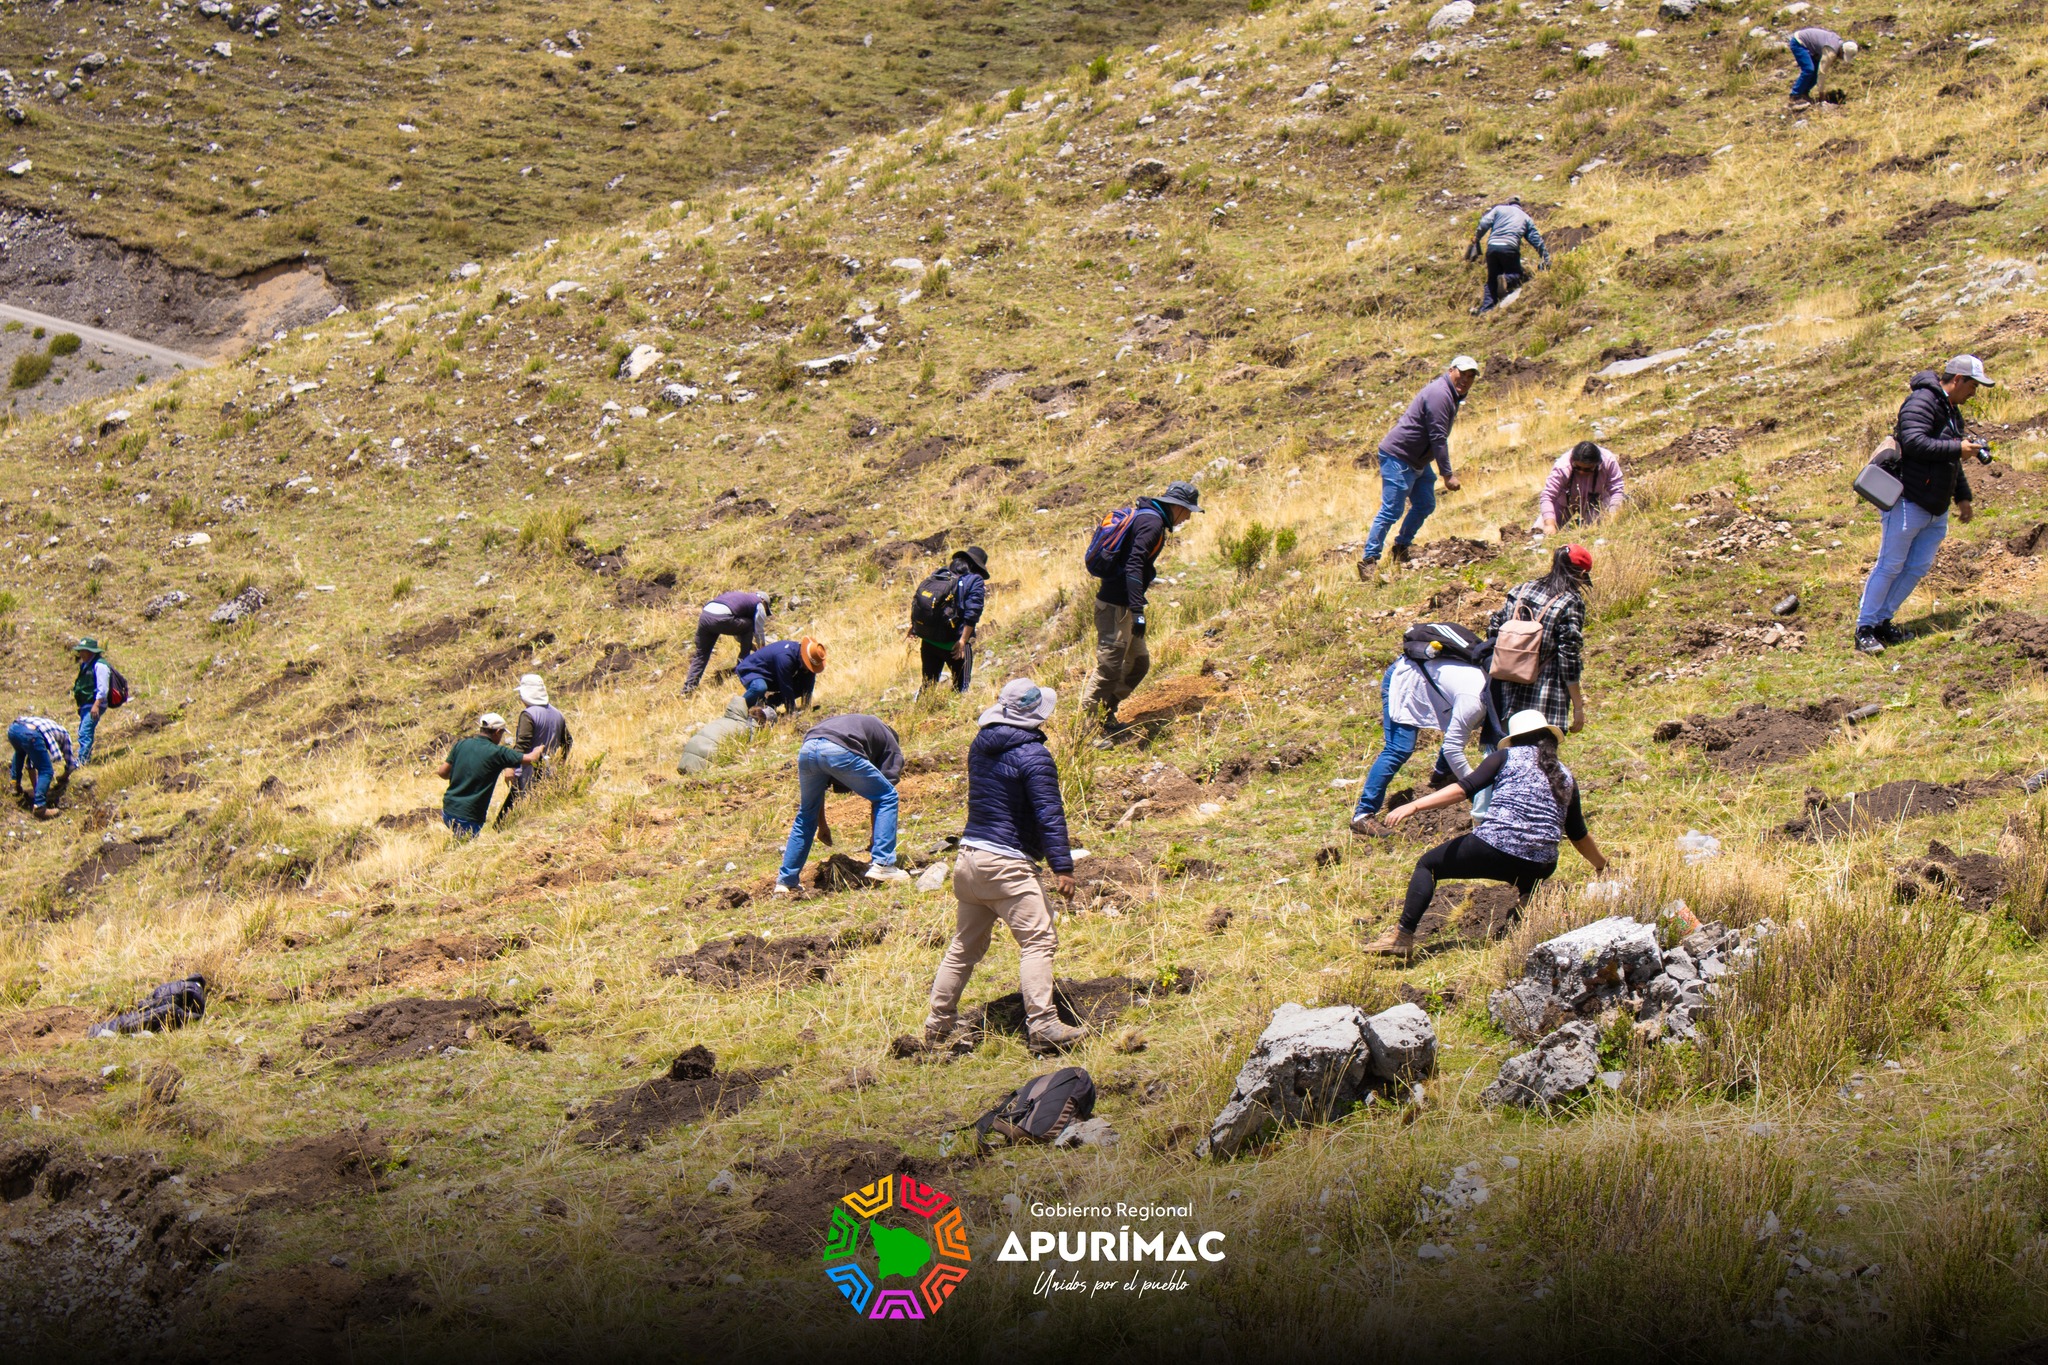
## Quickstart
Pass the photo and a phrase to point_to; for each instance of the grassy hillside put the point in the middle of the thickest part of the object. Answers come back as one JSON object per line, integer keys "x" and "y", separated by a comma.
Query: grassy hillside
{"x": 395, "y": 141}
{"x": 449, "y": 487}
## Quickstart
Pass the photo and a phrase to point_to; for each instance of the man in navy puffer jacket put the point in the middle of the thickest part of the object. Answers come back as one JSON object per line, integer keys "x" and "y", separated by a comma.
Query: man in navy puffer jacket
{"x": 1014, "y": 819}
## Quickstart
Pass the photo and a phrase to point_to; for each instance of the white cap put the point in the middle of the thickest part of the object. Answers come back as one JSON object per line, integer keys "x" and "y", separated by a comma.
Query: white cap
{"x": 490, "y": 720}
{"x": 1466, "y": 363}
{"x": 1849, "y": 49}
{"x": 1969, "y": 367}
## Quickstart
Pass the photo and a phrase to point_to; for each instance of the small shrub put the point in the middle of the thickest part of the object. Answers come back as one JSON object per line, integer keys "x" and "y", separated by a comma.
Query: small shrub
{"x": 29, "y": 370}
{"x": 782, "y": 371}
{"x": 182, "y": 511}
{"x": 1284, "y": 542}
{"x": 401, "y": 587}
{"x": 1098, "y": 70}
{"x": 65, "y": 343}
{"x": 1247, "y": 550}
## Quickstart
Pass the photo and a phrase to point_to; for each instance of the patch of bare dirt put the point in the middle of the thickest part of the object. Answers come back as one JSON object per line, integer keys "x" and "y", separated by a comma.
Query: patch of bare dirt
{"x": 97, "y": 867}
{"x": 304, "y": 1312}
{"x": 1238, "y": 768}
{"x": 1757, "y": 736}
{"x": 2032, "y": 541}
{"x": 1975, "y": 879}
{"x": 2010, "y": 330}
{"x": 1431, "y": 826}
{"x": 44, "y": 1029}
{"x": 804, "y": 1185}
{"x": 1681, "y": 237}
{"x": 2026, "y": 633}
{"x": 1921, "y": 222}
{"x": 399, "y": 1030}
{"x": 1469, "y": 912}
{"x": 1907, "y": 799}
{"x": 731, "y": 504}
{"x": 1170, "y": 699}
{"x": 490, "y": 665}
{"x": 692, "y": 1089}
{"x": 308, "y": 1171}
{"x": 647, "y": 592}
{"x": 1839, "y": 146}
{"x": 1671, "y": 165}
{"x": 918, "y": 454}
{"x": 425, "y": 817}
{"x": 860, "y": 428}
{"x": 50, "y": 1092}
{"x": 1701, "y": 443}
{"x": 616, "y": 659}
{"x": 1565, "y": 238}
{"x": 734, "y": 962}
{"x": 1098, "y": 1003}
{"x": 432, "y": 635}
{"x": 1454, "y": 552}
{"x": 1146, "y": 793}
{"x": 422, "y": 960}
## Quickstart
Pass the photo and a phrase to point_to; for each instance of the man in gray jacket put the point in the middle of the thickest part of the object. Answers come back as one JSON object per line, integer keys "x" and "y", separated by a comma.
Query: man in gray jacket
{"x": 1422, "y": 436}
{"x": 1500, "y": 233}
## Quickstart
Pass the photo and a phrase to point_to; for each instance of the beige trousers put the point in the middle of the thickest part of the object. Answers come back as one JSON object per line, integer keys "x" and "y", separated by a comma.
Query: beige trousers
{"x": 1121, "y": 659}
{"x": 991, "y": 887}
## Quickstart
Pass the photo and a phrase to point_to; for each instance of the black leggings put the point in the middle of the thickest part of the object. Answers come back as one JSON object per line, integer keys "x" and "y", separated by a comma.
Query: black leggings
{"x": 1467, "y": 858}
{"x": 1503, "y": 275}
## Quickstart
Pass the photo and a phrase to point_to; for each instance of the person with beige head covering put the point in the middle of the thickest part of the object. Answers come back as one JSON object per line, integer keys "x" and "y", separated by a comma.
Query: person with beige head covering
{"x": 539, "y": 727}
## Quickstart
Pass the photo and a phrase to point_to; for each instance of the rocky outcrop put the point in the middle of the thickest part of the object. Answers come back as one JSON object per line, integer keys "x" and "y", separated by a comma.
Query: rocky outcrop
{"x": 1314, "y": 1065}
{"x": 1562, "y": 1065}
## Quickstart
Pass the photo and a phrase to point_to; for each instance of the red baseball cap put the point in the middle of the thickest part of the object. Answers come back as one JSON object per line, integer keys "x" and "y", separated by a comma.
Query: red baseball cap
{"x": 1580, "y": 556}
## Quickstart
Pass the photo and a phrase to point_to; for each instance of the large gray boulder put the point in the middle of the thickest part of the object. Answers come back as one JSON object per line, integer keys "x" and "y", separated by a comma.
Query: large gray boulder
{"x": 1309, "y": 1066}
{"x": 1606, "y": 957}
{"x": 240, "y": 607}
{"x": 1457, "y": 14}
{"x": 1401, "y": 1043}
{"x": 1563, "y": 1064}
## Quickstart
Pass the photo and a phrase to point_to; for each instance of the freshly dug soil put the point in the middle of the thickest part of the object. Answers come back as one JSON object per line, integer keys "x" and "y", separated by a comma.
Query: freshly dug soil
{"x": 308, "y": 1171}
{"x": 1702, "y": 443}
{"x": 1975, "y": 879}
{"x": 2025, "y": 632}
{"x": 1921, "y": 222}
{"x": 434, "y": 634}
{"x": 1237, "y": 768}
{"x": 399, "y": 1030}
{"x": 1170, "y": 699}
{"x": 421, "y": 960}
{"x": 804, "y": 1185}
{"x": 1161, "y": 788}
{"x": 730, "y": 963}
{"x": 53, "y": 1092}
{"x": 1432, "y": 826}
{"x": 96, "y": 868}
{"x": 692, "y": 1089}
{"x": 1097, "y": 1003}
{"x": 1893, "y": 802}
{"x": 44, "y": 1029}
{"x": 1454, "y": 553}
{"x": 1469, "y": 912}
{"x": 1757, "y": 736}
{"x": 303, "y": 1312}
{"x": 647, "y": 592}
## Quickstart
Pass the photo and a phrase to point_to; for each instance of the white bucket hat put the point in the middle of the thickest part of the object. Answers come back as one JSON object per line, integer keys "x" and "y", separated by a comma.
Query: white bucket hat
{"x": 1531, "y": 722}
{"x": 532, "y": 690}
{"x": 490, "y": 720}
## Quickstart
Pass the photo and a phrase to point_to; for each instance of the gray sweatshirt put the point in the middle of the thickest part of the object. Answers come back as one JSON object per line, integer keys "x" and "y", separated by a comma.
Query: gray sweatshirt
{"x": 1505, "y": 225}
{"x": 1424, "y": 431}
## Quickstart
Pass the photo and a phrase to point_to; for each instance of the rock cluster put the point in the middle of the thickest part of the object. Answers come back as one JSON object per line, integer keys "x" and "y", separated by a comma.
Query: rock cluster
{"x": 1312, "y": 1065}
{"x": 239, "y": 608}
{"x": 164, "y": 602}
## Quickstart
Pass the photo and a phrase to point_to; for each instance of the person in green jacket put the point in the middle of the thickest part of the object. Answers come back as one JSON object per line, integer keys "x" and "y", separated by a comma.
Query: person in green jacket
{"x": 472, "y": 769}
{"x": 95, "y": 681}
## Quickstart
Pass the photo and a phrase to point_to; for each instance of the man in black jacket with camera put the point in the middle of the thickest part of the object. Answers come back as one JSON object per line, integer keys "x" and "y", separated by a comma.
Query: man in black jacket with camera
{"x": 1933, "y": 443}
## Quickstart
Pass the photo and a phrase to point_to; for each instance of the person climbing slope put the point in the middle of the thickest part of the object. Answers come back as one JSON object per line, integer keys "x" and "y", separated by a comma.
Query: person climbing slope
{"x": 97, "y": 688}
{"x": 472, "y": 769}
{"x": 742, "y": 615}
{"x": 781, "y": 674}
{"x": 1121, "y": 554}
{"x": 1817, "y": 50}
{"x": 40, "y": 743}
{"x": 1422, "y": 435}
{"x": 945, "y": 610}
{"x": 1445, "y": 691}
{"x": 851, "y": 753}
{"x": 1556, "y": 603}
{"x": 1535, "y": 807}
{"x": 1501, "y": 230}
{"x": 540, "y": 726}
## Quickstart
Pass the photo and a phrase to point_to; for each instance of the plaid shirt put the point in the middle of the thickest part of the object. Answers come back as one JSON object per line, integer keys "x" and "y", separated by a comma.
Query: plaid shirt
{"x": 55, "y": 738}
{"x": 1564, "y": 634}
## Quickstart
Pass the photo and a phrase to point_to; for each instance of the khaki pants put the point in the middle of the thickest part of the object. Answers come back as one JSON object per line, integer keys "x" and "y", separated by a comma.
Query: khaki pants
{"x": 991, "y": 887}
{"x": 1121, "y": 659}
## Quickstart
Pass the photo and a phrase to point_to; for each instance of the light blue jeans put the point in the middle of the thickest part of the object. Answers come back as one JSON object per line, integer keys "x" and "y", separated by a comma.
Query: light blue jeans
{"x": 88, "y": 726}
{"x": 1401, "y": 484}
{"x": 1396, "y": 748}
{"x": 1912, "y": 537}
{"x": 818, "y": 762}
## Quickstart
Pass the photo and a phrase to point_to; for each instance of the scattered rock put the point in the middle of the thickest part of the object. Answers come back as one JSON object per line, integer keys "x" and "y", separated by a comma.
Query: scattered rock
{"x": 400, "y": 1030}
{"x": 639, "y": 361}
{"x": 243, "y": 606}
{"x": 734, "y": 962}
{"x": 1580, "y": 972}
{"x": 1701, "y": 443}
{"x": 1314, "y": 1065}
{"x": 1457, "y": 14}
{"x": 1094, "y": 1132}
{"x": 1562, "y": 1065}
{"x": 164, "y": 602}
{"x": 692, "y": 1089}
{"x": 1678, "y": 9}
{"x": 1148, "y": 176}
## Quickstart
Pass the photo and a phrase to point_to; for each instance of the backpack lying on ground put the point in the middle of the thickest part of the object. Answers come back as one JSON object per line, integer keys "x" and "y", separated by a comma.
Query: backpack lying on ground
{"x": 935, "y": 606}
{"x": 1041, "y": 1108}
{"x": 168, "y": 1006}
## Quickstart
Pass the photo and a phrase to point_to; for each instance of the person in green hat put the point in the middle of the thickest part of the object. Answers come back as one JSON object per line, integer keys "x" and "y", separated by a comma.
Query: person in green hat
{"x": 94, "y": 685}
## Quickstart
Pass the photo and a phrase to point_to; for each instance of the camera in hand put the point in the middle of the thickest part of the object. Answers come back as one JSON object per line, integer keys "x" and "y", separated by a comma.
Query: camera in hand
{"x": 1983, "y": 452}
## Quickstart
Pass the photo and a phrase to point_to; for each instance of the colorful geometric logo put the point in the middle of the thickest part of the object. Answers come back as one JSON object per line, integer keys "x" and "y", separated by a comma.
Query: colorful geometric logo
{"x": 932, "y": 1256}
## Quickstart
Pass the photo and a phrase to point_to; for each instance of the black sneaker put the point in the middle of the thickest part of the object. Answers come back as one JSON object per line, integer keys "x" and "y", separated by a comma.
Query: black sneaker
{"x": 1867, "y": 641}
{"x": 1890, "y": 634}
{"x": 1399, "y": 554}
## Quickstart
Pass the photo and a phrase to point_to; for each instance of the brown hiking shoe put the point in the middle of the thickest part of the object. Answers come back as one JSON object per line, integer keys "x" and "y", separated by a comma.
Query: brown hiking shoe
{"x": 1392, "y": 943}
{"x": 1371, "y": 827}
{"x": 1056, "y": 1037}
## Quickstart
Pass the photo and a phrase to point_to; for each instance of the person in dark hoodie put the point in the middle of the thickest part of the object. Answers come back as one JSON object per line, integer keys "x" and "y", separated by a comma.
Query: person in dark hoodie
{"x": 850, "y": 753}
{"x": 1933, "y": 443}
{"x": 1121, "y": 555}
{"x": 945, "y": 625}
{"x": 782, "y": 674}
{"x": 742, "y": 615}
{"x": 1421, "y": 436}
{"x": 1014, "y": 819}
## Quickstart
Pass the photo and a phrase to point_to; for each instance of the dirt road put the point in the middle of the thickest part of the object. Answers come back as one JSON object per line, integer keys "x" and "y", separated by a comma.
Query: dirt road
{"x": 123, "y": 345}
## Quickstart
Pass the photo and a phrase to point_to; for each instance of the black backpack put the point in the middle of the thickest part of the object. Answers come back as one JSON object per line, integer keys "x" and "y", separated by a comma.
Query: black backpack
{"x": 1445, "y": 641}
{"x": 935, "y": 606}
{"x": 1041, "y": 1108}
{"x": 117, "y": 688}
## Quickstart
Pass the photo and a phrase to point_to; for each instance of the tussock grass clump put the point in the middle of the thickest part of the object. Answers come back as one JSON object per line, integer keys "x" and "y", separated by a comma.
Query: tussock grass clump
{"x": 65, "y": 343}
{"x": 2026, "y": 859}
{"x": 551, "y": 529}
{"x": 29, "y": 370}
{"x": 1965, "y": 1265}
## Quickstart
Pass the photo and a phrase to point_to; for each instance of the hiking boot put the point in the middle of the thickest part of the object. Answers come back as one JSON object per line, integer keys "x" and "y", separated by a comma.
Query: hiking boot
{"x": 44, "y": 813}
{"x": 949, "y": 1036}
{"x": 1400, "y": 554}
{"x": 1056, "y": 1037}
{"x": 1392, "y": 943}
{"x": 885, "y": 872}
{"x": 1370, "y": 827}
{"x": 1366, "y": 568}
{"x": 1890, "y": 634}
{"x": 1867, "y": 641}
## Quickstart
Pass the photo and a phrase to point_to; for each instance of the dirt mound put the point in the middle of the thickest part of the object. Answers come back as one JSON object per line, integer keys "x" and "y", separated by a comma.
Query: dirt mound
{"x": 491, "y": 665}
{"x": 2032, "y": 541}
{"x": 432, "y": 635}
{"x": 1149, "y": 792}
{"x": 426, "y": 817}
{"x": 44, "y": 1029}
{"x": 1454, "y": 553}
{"x": 804, "y": 1185}
{"x": 1701, "y": 443}
{"x": 1757, "y": 736}
{"x": 399, "y": 1030}
{"x": 734, "y": 962}
{"x": 918, "y": 454}
{"x": 1921, "y": 222}
{"x": 692, "y": 1089}
{"x": 1170, "y": 699}
{"x": 647, "y": 592}
{"x": 617, "y": 659}
{"x": 96, "y": 868}
{"x": 2026, "y": 633}
{"x": 49, "y": 1093}
{"x": 303, "y": 1312}
{"x": 308, "y": 1171}
{"x": 1431, "y": 826}
{"x": 1469, "y": 912}
{"x": 1671, "y": 165}
{"x": 1098, "y": 1003}
{"x": 422, "y": 959}
{"x": 1234, "y": 771}
{"x": 1889, "y": 804}
{"x": 1975, "y": 879}
{"x": 1565, "y": 238}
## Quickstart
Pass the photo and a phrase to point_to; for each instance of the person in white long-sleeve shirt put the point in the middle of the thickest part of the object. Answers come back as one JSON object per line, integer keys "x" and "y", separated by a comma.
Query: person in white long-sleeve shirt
{"x": 1445, "y": 695}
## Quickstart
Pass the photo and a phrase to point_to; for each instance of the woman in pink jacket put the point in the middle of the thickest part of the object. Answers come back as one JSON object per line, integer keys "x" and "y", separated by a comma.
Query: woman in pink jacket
{"x": 1584, "y": 486}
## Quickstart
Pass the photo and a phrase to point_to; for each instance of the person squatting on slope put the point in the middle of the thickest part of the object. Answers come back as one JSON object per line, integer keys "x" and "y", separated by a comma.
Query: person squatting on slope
{"x": 93, "y": 691}
{"x": 1445, "y": 693}
{"x": 472, "y": 769}
{"x": 1535, "y": 807}
{"x": 1584, "y": 486}
{"x": 1014, "y": 820}
{"x": 40, "y": 743}
{"x": 540, "y": 726}
{"x": 742, "y": 615}
{"x": 944, "y": 612}
{"x": 1558, "y": 601}
{"x": 1933, "y": 442}
{"x": 1121, "y": 554}
{"x": 1501, "y": 230}
{"x": 1817, "y": 50}
{"x": 1422, "y": 435}
{"x": 781, "y": 675}
{"x": 851, "y": 753}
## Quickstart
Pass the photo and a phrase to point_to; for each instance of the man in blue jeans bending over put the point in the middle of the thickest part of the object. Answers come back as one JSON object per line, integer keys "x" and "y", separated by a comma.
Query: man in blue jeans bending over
{"x": 851, "y": 753}
{"x": 1422, "y": 436}
{"x": 40, "y": 743}
{"x": 1446, "y": 695}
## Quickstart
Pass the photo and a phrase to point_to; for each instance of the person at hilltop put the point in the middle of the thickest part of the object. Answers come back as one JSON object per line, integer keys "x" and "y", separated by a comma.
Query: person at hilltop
{"x": 1420, "y": 437}
{"x": 781, "y": 674}
{"x": 94, "y": 690}
{"x": 1499, "y": 234}
{"x": 1933, "y": 443}
{"x": 1015, "y": 819}
{"x": 1817, "y": 51}
{"x": 944, "y": 614}
{"x": 1584, "y": 486}
{"x": 1557, "y": 601}
{"x": 851, "y": 753}
{"x": 1446, "y": 693}
{"x": 540, "y": 726}
{"x": 1121, "y": 555}
{"x": 40, "y": 743}
{"x": 1535, "y": 807}
{"x": 472, "y": 768}
{"x": 742, "y": 615}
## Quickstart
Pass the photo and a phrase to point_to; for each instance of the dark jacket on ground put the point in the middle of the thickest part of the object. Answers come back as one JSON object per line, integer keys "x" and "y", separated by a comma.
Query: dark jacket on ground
{"x": 1930, "y": 433}
{"x": 1013, "y": 795}
{"x": 864, "y": 735}
{"x": 1134, "y": 572}
{"x": 1424, "y": 431}
{"x": 779, "y": 667}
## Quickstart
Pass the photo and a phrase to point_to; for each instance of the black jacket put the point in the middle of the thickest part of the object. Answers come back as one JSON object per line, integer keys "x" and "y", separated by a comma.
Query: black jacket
{"x": 1930, "y": 433}
{"x": 1134, "y": 571}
